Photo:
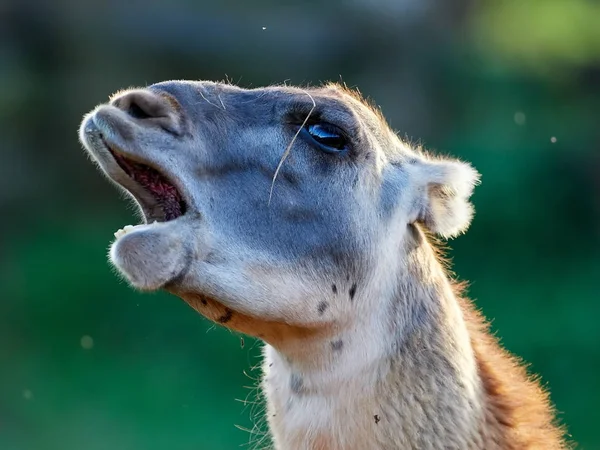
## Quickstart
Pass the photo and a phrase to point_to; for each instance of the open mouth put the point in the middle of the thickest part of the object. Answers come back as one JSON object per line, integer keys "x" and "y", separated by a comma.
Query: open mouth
{"x": 169, "y": 200}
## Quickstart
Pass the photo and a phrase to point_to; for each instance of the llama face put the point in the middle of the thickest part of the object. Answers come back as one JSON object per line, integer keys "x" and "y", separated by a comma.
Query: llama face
{"x": 200, "y": 159}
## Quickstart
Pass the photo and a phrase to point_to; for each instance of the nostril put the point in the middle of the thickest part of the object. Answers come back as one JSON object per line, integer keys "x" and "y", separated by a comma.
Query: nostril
{"x": 137, "y": 112}
{"x": 150, "y": 109}
{"x": 144, "y": 105}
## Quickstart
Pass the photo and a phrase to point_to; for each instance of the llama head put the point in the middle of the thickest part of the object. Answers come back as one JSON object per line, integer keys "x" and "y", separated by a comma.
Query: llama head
{"x": 249, "y": 249}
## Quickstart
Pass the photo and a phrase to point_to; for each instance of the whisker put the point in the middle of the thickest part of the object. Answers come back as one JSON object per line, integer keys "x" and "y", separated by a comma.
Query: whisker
{"x": 207, "y": 101}
{"x": 289, "y": 147}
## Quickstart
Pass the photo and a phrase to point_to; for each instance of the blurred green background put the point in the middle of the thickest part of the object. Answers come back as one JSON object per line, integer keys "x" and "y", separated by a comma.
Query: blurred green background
{"x": 513, "y": 86}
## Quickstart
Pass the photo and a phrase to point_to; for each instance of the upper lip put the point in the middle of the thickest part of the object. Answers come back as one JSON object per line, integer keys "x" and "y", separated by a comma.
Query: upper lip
{"x": 152, "y": 208}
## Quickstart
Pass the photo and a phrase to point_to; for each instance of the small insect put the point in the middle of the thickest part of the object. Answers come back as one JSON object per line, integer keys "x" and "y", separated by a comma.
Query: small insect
{"x": 377, "y": 419}
{"x": 242, "y": 342}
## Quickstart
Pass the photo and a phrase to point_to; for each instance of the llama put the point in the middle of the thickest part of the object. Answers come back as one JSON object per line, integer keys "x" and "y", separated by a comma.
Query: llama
{"x": 299, "y": 217}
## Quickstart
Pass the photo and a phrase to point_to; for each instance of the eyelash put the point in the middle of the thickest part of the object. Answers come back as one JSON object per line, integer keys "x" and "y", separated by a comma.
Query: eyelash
{"x": 328, "y": 137}
{"x": 314, "y": 126}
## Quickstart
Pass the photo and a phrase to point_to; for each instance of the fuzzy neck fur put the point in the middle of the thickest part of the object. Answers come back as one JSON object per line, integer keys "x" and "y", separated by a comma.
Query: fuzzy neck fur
{"x": 418, "y": 370}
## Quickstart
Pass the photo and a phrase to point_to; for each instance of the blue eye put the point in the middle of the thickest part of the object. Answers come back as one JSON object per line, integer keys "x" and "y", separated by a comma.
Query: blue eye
{"x": 329, "y": 137}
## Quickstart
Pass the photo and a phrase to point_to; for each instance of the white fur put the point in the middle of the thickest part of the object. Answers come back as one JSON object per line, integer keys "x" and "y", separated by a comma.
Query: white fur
{"x": 446, "y": 186}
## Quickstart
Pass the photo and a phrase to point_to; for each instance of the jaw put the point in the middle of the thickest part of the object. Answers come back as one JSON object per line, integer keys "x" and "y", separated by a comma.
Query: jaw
{"x": 159, "y": 251}
{"x": 152, "y": 256}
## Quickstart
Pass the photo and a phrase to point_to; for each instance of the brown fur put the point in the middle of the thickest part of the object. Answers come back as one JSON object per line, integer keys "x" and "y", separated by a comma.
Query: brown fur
{"x": 268, "y": 331}
{"x": 519, "y": 414}
{"x": 518, "y": 411}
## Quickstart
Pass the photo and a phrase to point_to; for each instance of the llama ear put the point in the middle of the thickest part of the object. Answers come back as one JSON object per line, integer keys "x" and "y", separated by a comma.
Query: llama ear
{"x": 446, "y": 186}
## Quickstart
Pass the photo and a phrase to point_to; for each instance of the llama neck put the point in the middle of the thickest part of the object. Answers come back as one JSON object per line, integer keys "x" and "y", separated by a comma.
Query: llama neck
{"x": 403, "y": 375}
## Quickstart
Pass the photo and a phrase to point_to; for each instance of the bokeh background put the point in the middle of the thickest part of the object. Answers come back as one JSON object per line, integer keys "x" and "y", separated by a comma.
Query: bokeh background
{"x": 512, "y": 85}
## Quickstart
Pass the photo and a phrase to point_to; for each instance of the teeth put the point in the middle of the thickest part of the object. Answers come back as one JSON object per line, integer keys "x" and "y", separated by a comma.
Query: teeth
{"x": 129, "y": 228}
{"x": 123, "y": 231}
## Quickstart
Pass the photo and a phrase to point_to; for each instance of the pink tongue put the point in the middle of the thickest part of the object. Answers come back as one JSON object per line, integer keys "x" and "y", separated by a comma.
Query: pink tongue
{"x": 163, "y": 192}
